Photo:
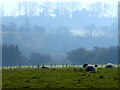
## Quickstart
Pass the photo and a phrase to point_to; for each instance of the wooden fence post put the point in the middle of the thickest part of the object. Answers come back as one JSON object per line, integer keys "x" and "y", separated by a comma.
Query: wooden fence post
{"x": 51, "y": 66}
{"x": 33, "y": 66}
{"x": 66, "y": 65}
{"x": 38, "y": 66}
{"x": 10, "y": 67}
{"x": 62, "y": 66}
{"x": 69, "y": 66}
{"x": 19, "y": 66}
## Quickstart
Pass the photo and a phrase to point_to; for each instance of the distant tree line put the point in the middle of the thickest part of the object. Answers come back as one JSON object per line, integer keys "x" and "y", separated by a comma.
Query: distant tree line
{"x": 12, "y": 55}
{"x": 94, "y": 56}
{"x": 13, "y": 27}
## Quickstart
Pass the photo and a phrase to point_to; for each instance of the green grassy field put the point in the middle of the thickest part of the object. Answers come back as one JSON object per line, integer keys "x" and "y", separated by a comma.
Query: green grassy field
{"x": 60, "y": 78}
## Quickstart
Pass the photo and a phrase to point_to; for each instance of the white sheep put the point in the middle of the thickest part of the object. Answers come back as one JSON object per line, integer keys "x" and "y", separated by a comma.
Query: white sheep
{"x": 109, "y": 65}
{"x": 89, "y": 67}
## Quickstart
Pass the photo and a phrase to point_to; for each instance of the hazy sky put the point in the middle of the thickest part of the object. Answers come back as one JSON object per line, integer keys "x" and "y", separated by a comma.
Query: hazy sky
{"x": 10, "y": 6}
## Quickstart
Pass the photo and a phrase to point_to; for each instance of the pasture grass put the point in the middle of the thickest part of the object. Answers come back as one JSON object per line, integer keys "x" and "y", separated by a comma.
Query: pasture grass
{"x": 60, "y": 78}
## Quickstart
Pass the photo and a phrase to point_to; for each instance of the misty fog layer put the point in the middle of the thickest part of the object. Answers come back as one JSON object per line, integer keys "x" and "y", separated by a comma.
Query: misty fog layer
{"x": 52, "y": 38}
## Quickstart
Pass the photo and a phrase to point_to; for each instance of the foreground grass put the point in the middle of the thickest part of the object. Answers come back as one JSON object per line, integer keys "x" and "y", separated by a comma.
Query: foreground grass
{"x": 60, "y": 78}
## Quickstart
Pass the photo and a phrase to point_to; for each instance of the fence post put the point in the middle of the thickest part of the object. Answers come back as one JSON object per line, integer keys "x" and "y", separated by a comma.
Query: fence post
{"x": 33, "y": 66}
{"x": 74, "y": 66}
{"x": 62, "y": 66}
{"x": 69, "y": 66}
{"x": 51, "y": 66}
{"x": 10, "y": 67}
{"x": 38, "y": 66}
{"x": 66, "y": 65}
{"x": 20, "y": 66}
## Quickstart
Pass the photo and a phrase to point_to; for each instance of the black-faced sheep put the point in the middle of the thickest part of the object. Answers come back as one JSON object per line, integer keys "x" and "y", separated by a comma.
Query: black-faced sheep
{"x": 43, "y": 67}
{"x": 89, "y": 67}
{"x": 109, "y": 65}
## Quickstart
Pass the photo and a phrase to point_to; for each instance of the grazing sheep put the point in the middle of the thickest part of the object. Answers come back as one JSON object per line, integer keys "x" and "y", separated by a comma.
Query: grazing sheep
{"x": 43, "y": 67}
{"x": 109, "y": 65}
{"x": 89, "y": 67}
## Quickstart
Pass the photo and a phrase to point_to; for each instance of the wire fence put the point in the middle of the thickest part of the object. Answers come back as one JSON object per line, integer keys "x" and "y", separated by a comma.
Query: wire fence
{"x": 51, "y": 66}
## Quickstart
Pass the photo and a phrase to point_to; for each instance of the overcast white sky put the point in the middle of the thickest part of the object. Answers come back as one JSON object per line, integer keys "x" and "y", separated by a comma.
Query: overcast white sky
{"x": 11, "y": 5}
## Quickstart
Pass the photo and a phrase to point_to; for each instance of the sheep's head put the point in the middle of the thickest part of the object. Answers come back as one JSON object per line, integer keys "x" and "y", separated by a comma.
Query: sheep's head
{"x": 84, "y": 66}
{"x": 96, "y": 66}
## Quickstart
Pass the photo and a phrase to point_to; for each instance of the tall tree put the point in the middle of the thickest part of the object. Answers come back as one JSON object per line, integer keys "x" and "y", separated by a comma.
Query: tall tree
{"x": 11, "y": 55}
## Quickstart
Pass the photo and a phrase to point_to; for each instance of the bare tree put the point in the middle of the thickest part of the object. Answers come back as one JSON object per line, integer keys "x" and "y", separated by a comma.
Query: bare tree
{"x": 28, "y": 8}
{"x": 2, "y": 10}
{"x": 19, "y": 8}
{"x": 91, "y": 30}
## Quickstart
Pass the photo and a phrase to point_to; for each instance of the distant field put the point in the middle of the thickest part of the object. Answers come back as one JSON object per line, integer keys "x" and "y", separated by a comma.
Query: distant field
{"x": 60, "y": 78}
